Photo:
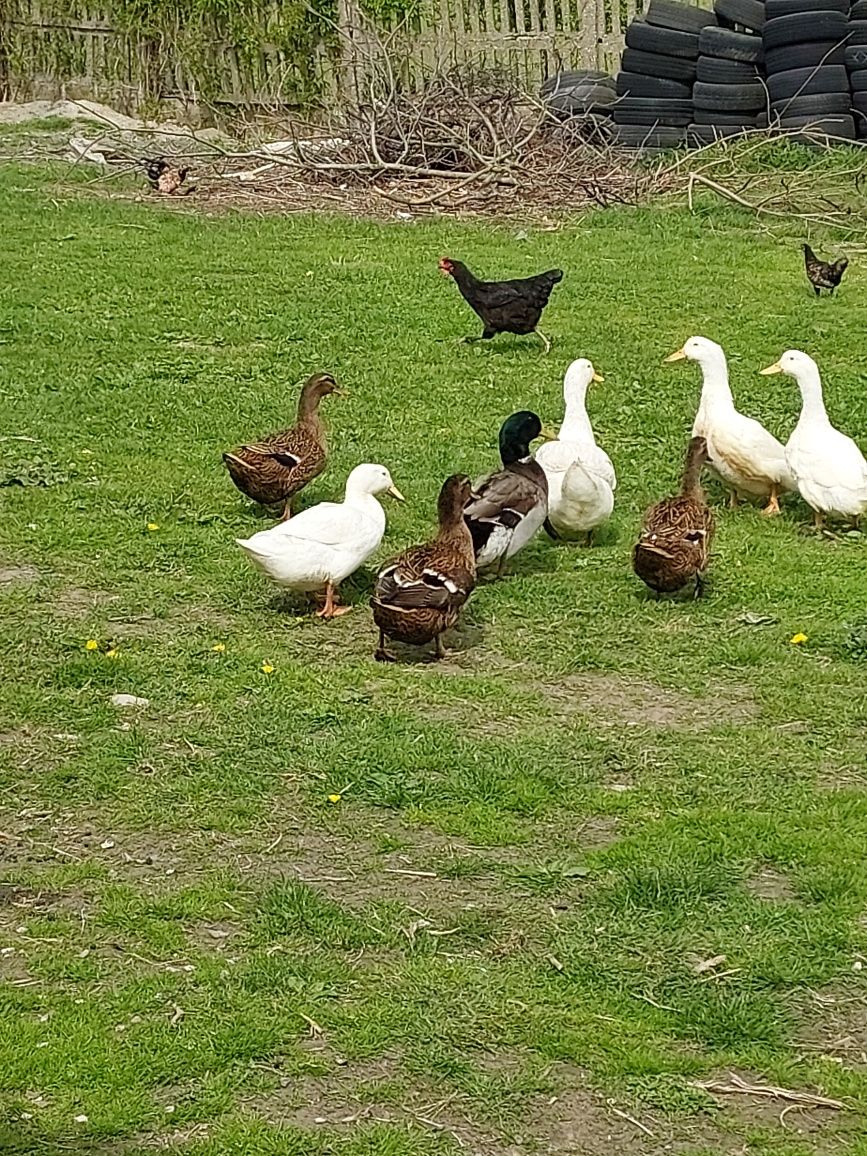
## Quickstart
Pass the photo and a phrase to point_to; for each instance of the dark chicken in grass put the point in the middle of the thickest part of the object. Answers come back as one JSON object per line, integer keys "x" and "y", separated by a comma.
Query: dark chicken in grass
{"x": 165, "y": 178}
{"x": 419, "y": 595}
{"x": 823, "y": 274}
{"x": 505, "y": 306}
{"x": 676, "y": 533}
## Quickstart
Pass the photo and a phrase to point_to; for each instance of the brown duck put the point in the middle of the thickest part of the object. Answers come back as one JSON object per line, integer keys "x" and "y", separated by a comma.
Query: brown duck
{"x": 275, "y": 469}
{"x": 419, "y": 595}
{"x": 676, "y": 533}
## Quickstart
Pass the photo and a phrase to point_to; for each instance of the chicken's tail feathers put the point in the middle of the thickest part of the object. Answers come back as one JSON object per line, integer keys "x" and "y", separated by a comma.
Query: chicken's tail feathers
{"x": 555, "y": 275}
{"x": 808, "y": 252}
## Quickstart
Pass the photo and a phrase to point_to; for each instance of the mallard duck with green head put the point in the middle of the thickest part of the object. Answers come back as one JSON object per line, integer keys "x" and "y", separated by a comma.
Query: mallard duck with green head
{"x": 508, "y": 508}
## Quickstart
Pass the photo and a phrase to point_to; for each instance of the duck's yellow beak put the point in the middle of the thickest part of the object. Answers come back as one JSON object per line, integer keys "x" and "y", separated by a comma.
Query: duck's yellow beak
{"x": 340, "y": 392}
{"x": 548, "y": 434}
{"x": 395, "y": 493}
{"x": 678, "y": 356}
{"x": 597, "y": 377}
{"x": 775, "y": 368}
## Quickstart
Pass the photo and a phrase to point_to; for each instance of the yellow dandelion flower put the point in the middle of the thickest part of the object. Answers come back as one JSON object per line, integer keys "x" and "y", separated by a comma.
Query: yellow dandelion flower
{"x": 153, "y": 526}
{"x": 111, "y": 653}
{"x": 219, "y": 648}
{"x": 91, "y": 644}
{"x": 267, "y": 668}
{"x": 334, "y": 798}
{"x": 797, "y": 639}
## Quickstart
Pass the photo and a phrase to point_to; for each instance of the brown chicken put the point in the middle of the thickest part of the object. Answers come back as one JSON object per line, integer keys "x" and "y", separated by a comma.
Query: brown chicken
{"x": 676, "y": 534}
{"x": 276, "y": 468}
{"x": 505, "y": 306}
{"x": 823, "y": 274}
{"x": 165, "y": 178}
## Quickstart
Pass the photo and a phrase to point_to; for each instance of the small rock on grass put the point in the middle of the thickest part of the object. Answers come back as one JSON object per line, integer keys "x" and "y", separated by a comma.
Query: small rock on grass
{"x": 124, "y": 700}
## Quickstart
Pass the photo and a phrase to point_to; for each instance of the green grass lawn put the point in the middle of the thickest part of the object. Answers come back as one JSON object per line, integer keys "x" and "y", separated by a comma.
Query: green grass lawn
{"x": 494, "y": 942}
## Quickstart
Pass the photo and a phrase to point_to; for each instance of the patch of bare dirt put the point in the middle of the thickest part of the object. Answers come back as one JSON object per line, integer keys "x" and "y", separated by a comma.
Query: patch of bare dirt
{"x": 615, "y": 700}
{"x": 772, "y": 885}
{"x": 75, "y": 603}
{"x": 834, "y": 1025}
{"x": 212, "y": 936}
{"x": 605, "y": 698}
{"x": 575, "y": 1122}
{"x": 14, "y": 575}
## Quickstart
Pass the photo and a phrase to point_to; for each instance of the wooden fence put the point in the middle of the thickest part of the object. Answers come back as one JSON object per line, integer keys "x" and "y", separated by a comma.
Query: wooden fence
{"x": 47, "y": 54}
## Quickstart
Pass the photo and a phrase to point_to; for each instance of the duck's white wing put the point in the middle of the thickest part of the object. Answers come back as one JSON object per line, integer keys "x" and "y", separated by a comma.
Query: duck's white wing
{"x": 555, "y": 457}
{"x": 745, "y": 451}
{"x": 598, "y": 462}
{"x": 586, "y": 501}
{"x": 328, "y": 523}
{"x": 831, "y": 472}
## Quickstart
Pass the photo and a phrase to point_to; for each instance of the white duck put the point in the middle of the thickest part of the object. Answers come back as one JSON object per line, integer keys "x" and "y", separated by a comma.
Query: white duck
{"x": 581, "y": 478}
{"x": 828, "y": 467}
{"x": 326, "y": 543}
{"x": 746, "y": 456}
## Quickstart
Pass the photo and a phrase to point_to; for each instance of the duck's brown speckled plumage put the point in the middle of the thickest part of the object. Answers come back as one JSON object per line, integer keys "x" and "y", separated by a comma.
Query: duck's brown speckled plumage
{"x": 419, "y": 595}
{"x": 676, "y": 534}
{"x": 823, "y": 274}
{"x": 274, "y": 469}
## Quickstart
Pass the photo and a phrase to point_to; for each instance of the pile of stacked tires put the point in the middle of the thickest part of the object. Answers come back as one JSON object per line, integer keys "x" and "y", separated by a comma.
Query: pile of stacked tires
{"x": 856, "y": 63}
{"x": 691, "y": 76}
{"x": 729, "y": 93}
{"x": 654, "y": 87}
{"x": 805, "y": 65}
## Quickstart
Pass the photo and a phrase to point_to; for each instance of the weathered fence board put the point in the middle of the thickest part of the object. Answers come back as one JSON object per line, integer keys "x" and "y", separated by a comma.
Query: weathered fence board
{"x": 44, "y": 53}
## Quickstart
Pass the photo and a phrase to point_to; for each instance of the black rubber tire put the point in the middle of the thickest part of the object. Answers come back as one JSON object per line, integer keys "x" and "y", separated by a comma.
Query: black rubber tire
{"x": 859, "y": 104}
{"x": 775, "y": 8}
{"x": 745, "y": 13}
{"x": 841, "y": 126}
{"x": 640, "y": 110}
{"x": 858, "y": 11}
{"x": 807, "y": 82}
{"x": 640, "y": 136}
{"x": 822, "y": 104}
{"x": 857, "y": 33}
{"x": 804, "y": 28}
{"x": 762, "y": 120}
{"x": 793, "y": 56}
{"x": 714, "y": 116}
{"x": 856, "y": 58}
{"x": 858, "y": 81}
{"x": 580, "y": 101}
{"x": 713, "y": 70}
{"x": 680, "y": 17}
{"x": 730, "y": 97}
{"x": 562, "y": 81}
{"x": 652, "y": 64}
{"x": 730, "y": 45}
{"x": 704, "y": 134}
{"x": 665, "y": 41}
{"x": 634, "y": 84}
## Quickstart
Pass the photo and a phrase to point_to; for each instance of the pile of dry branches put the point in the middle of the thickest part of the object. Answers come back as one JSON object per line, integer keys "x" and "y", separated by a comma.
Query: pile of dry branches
{"x": 452, "y": 140}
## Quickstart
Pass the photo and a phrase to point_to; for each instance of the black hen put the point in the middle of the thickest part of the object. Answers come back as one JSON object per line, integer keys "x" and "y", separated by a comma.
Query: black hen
{"x": 505, "y": 306}
{"x": 823, "y": 274}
